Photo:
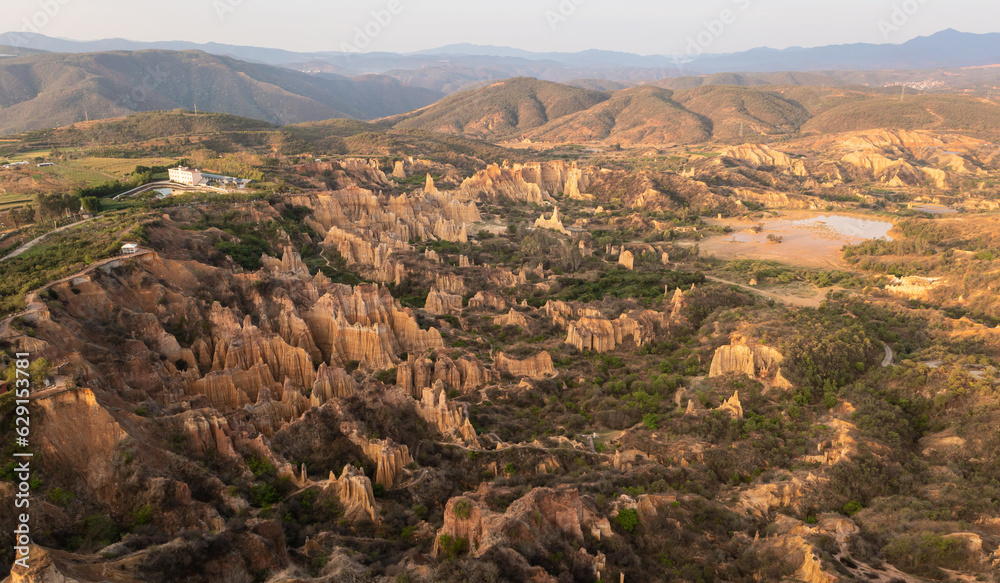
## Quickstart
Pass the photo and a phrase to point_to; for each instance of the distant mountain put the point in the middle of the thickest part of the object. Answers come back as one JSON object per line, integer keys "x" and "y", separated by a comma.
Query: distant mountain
{"x": 946, "y": 49}
{"x": 49, "y": 90}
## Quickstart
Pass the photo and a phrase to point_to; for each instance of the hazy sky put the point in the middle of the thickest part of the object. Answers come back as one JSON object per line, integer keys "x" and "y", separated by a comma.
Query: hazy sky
{"x": 640, "y": 26}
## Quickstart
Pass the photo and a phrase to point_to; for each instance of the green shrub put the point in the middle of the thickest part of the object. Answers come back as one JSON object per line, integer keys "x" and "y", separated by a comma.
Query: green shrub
{"x": 454, "y": 547}
{"x": 463, "y": 509}
{"x": 628, "y": 519}
{"x": 926, "y": 554}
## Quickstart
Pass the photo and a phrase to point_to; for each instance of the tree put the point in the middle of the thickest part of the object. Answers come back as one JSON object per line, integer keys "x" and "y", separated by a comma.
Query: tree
{"x": 91, "y": 204}
{"x": 21, "y": 216}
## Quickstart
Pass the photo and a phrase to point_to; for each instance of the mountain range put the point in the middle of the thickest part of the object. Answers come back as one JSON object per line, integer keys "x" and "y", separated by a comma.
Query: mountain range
{"x": 591, "y": 95}
{"x": 945, "y": 49}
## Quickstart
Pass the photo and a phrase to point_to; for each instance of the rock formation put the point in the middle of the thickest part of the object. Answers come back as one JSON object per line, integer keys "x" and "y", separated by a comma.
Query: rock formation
{"x": 627, "y": 260}
{"x": 449, "y": 283}
{"x": 331, "y": 383}
{"x": 593, "y": 332}
{"x": 536, "y": 367}
{"x": 441, "y": 303}
{"x": 449, "y": 419}
{"x": 429, "y": 187}
{"x": 390, "y": 459}
{"x": 552, "y": 224}
{"x": 543, "y": 514}
{"x": 420, "y": 373}
{"x": 512, "y": 318}
{"x": 755, "y": 361}
{"x": 366, "y": 325}
{"x": 290, "y": 264}
{"x": 732, "y": 406}
{"x": 354, "y": 490}
{"x": 488, "y": 300}
{"x": 916, "y": 288}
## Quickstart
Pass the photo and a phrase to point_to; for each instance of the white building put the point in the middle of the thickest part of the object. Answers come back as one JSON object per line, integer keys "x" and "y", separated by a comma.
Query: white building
{"x": 130, "y": 248}
{"x": 185, "y": 175}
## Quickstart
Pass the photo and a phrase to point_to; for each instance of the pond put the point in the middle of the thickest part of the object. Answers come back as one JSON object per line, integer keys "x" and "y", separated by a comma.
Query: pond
{"x": 807, "y": 239}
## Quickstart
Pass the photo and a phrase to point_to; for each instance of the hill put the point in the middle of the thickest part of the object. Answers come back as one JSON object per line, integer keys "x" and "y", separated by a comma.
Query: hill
{"x": 740, "y": 113}
{"x": 641, "y": 115}
{"x": 957, "y": 113}
{"x": 57, "y": 89}
{"x": 505, "y": 109}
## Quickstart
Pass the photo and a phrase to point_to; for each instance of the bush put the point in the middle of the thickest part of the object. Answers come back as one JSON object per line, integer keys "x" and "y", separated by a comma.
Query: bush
{"x": 926, "y": 554}
{"x": 651, "y": 421}
{"x": 463, "y": 509}
{"x": 454, "y": 547}
{"x": 628, "y": 519}
{"x": 264, "y": 495}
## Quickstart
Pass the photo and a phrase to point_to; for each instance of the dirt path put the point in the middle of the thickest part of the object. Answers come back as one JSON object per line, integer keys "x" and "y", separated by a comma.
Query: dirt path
{"x": 782, "y": 298}
{"x": 889, "y": 356}
{"x": 38, "y": 239}
{"x": 937, "y": 116}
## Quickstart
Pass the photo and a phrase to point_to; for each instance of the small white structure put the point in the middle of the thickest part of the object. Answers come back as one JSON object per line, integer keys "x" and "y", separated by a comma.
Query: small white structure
{"x": 130, "y": 248}
{"x": 44, "y": 164}
{"x": 185, "y": 175}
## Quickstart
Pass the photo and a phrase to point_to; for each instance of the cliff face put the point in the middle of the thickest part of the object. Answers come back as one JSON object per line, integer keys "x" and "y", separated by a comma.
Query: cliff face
{"x": 755, "y": 361}
{"x": 368, "y": 228}
{"x": 595, "y": 333}
{"x": 78, "y": 432}
{"x": 440, "y": 302}
{"x": 450, "y": 419}
{"x": 488, "y": 300}
{"x": 354, "y": 490}
{"x": 541, "y": 515}
{"x": 536, "y": 367}
{"x": 364, "y": 324}
{"x": 419, "y": 373}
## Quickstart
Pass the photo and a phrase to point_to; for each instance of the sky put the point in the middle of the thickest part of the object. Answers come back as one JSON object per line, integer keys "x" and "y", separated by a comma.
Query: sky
{"x": 636, "y": 26}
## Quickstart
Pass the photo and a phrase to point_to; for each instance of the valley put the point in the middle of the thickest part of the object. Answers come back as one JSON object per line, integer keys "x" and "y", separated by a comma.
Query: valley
{"x": 532, "y": 331}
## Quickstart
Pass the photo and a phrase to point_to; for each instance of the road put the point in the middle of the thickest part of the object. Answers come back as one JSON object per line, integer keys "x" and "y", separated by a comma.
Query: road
{"x": 889, "y": 356}
{"x": 36, "y": 240}
{"x": 170, "y": 185}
